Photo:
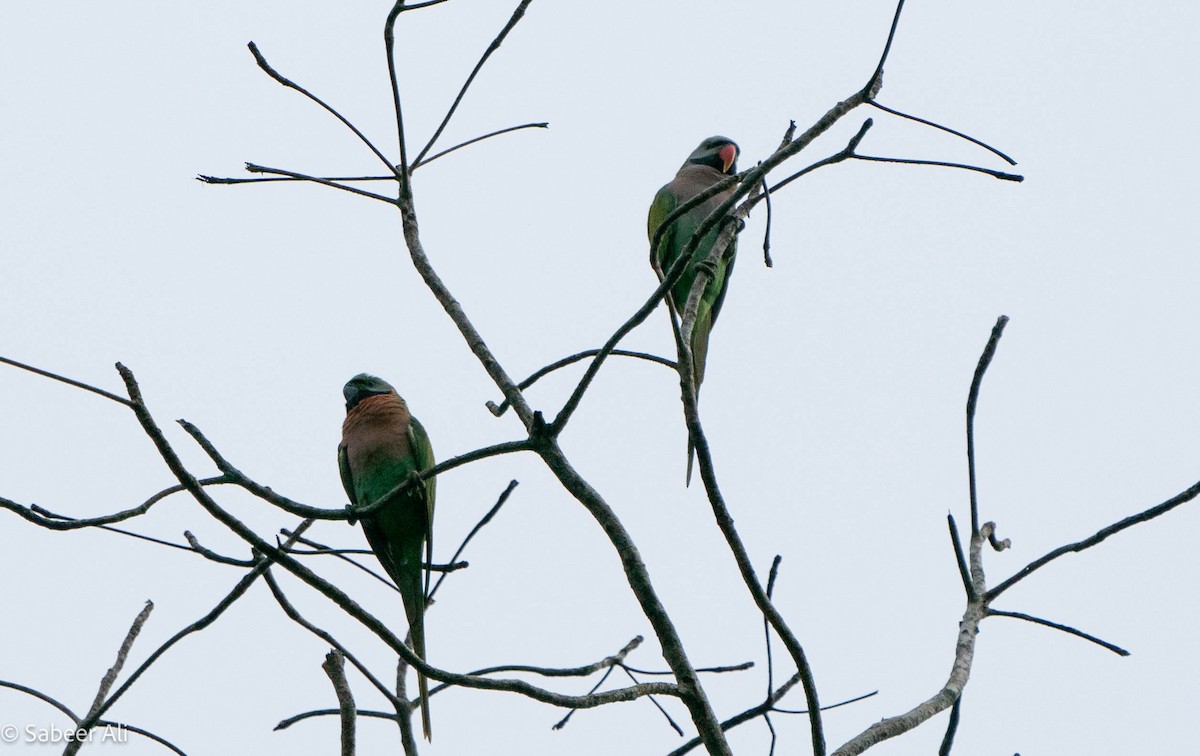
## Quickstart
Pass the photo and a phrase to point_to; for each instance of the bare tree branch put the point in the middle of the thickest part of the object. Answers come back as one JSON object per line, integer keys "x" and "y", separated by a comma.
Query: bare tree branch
{"x": 47, "y": 519}
{"x": 951, "y": 728}
{"x": 942, "y": 164}
{"x": 213, "y": 556}
{"x": 68, "y": 381}
{"x": 408, "y": 741}
{"x": 666, "y": 715}
{"x": 512, "y": 485}
{"x": 266, "y": 67}
{"x": 493, "y": 47}
{"x": 335, "y": 668}
{"x": 947, "y": 129}
{"x": 238, "y": 591}
{"x": 765, "y": 708}
{"x": 1065, "y": 628}
{"x": 502, "y": 407}
{"x": 712, "y": 670}
{"x": 109, "y": 678}
{"x": 688, "y": 685}
{"x": 1181, "y": 498}
{"x": 960, "y": 558}
{"x": 389, "y": 44}
{"x": 99, "y": 723}
{"x": 489, "y": 135}
{"x": 294, "y": 615}
{"x": 985, "y": 359}
{"x": 293, "y": 175}
{"x": 223, "y": 180}
{"x": 563, "y": 722}
{"x": 964, "y": 655}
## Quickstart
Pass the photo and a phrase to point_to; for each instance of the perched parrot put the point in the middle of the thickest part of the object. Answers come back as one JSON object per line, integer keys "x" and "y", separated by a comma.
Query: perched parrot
{"x": 713, "y": 160}
{"x": 383, "y": 446}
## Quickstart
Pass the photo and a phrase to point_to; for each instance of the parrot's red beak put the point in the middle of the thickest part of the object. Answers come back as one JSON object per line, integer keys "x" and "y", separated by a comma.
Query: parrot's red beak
{"x": 728, "y": 155}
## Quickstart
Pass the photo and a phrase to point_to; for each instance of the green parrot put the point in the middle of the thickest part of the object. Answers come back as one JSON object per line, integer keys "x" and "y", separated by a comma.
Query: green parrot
{"x": 713, "y": 160}
{"x": 382, "y": 446}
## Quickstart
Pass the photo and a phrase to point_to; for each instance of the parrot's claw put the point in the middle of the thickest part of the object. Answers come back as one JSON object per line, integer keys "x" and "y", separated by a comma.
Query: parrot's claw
{"x": 352, "y": 520}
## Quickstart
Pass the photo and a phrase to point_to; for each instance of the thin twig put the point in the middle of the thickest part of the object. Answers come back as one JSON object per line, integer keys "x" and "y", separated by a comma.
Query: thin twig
{"x": 943, "y": 164}
{"x": 288, "y": 722}
{"x": 45, "y": 518}
{"x": 580, "y": 671}
{"x": 213, "y": 556}
{"x": 1065, "y": 628}
{"x": 502, "y": 407}
{"x": 255, "y": 168}
{"x": 266, "y": 67}
{"x": 341, "y": 554}
{"x": 828, "y": 707}
{"x": 206, "y": 179}
{"x": 389, "y": 45}
{"x": 985, "y": 359}
{"x": 489, "y": 135}
{"x": 951, "y": 729}
{"x": 711, "y": 670}
{"x": 771, "y": 577}
{"x": 512, "y": 484}
{"x": 843, "y": 154}
{"x": 766, "y": 707}
{"x": 1160, "y": 509}
{"x": 960, "y": 558}
{"x": 666, "y": 715}
{"x": 563, "y": 722}
{"x": 64, "y": 379}
{"x": 238, "y": 591}
{"x": 294, "y": 615}
{"x": 418, "y": 6}
{"x": 948, "y": 130}
{"x": 493, "y": 47}
{"x": 877, "y": 77}
{"x": 766, "y": 245}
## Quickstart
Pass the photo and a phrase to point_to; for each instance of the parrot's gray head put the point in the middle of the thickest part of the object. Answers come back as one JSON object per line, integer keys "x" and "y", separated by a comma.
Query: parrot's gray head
{"x": 362, "y": 386}
{"x": 716, "y": 152}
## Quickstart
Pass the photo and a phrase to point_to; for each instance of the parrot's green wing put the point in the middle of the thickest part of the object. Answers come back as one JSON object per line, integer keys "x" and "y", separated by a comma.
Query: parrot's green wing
{"x": 423, "y": 456}
{"x": 730, "y": 255}
{"x": 664, "y": 204}
{"x": 347, "y": 478}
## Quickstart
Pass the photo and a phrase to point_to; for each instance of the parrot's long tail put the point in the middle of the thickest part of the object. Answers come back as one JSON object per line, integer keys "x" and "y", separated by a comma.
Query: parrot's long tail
{"x": 414, "y": 606}
{"x": 426, "y": 726}
{"x": 417, "y": 630}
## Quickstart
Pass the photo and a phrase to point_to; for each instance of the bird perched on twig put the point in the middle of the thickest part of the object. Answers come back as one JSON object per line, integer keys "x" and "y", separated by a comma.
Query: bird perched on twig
{"x": 382, "y": 447}
{"x": 712, "y": 161}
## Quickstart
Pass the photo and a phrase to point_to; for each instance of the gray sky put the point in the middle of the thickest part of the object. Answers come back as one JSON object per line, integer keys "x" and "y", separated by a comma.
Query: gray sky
{"x": 835, "y": 386}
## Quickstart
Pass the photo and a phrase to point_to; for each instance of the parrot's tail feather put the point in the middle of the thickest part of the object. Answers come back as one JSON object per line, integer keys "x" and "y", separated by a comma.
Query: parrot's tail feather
{"x": 691, "y": 457}
{"x": 426, "y": 726}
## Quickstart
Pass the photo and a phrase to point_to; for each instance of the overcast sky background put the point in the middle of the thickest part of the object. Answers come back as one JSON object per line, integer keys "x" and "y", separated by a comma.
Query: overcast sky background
{"x": 833, "y": 398}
